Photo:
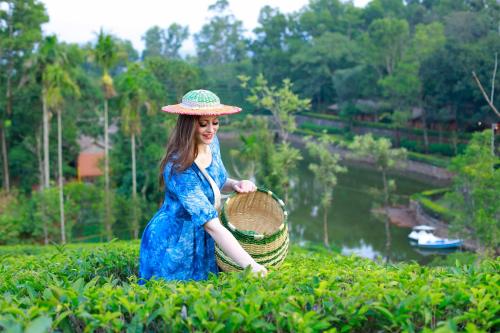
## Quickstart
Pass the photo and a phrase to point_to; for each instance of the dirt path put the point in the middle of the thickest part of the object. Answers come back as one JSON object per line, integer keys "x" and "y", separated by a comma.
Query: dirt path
{"x": 402, "y": 217}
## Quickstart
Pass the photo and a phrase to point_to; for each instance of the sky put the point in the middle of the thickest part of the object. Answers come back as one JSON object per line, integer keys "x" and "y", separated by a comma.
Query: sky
{"x": 77, "y": 21}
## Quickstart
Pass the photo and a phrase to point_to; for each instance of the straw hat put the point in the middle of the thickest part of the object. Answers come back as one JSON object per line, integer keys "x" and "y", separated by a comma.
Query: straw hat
{"x": 201, "y": 103}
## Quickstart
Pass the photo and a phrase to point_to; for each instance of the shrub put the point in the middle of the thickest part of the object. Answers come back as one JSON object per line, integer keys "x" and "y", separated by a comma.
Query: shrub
{"x": 411, "y": 145}
{"x": 445, "y": 149}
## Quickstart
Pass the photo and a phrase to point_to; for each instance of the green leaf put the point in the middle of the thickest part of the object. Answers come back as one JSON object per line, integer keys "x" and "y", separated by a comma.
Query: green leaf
{"x": 39, "y": 325}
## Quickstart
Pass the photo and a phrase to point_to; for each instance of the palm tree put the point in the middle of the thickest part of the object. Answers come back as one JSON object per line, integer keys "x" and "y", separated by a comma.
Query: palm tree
{"x": 135, "y": 95}
{"x": 105, "y": 55}
{"x": 59, "y": 83}
{"x": 49, "y": 53}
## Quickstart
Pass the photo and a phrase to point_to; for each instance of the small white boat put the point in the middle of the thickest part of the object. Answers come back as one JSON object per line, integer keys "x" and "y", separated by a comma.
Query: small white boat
{"x": 420, "y": 230}
{"x": 424, "y": 238}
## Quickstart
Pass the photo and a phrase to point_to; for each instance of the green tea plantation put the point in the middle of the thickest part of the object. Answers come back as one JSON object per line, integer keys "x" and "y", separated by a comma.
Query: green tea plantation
{"x": 93, "y": 288}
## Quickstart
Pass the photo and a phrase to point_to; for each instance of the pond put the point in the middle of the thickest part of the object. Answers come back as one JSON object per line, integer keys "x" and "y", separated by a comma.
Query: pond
{"x": 351, "y": 225}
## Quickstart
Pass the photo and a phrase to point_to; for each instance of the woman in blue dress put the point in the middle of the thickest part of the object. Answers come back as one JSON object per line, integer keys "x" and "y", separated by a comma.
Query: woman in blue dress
{"x": 178, "y": 242}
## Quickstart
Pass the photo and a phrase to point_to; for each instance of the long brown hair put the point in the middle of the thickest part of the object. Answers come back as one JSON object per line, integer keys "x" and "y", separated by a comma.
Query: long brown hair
{"x": 182, "y": 145}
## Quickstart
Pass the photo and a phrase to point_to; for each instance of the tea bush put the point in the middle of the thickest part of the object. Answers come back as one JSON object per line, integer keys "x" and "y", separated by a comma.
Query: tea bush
{"x": 86, "y": 288}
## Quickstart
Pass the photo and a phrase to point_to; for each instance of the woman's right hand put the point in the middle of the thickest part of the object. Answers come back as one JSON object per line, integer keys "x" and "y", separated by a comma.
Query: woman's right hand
{"x": 259, "y": 270}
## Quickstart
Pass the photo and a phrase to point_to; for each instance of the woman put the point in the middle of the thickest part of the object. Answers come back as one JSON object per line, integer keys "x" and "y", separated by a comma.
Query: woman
{"x": 178, "y": 242}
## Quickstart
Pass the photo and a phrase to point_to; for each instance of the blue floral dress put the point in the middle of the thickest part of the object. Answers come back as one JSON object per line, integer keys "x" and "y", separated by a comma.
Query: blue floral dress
{"x": 174, "y": 245}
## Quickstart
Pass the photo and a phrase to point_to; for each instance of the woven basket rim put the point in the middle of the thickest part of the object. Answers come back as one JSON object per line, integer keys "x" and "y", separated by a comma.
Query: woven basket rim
{"x": 259, "y": 255}
{"x": 273, "y": 262}
{"x": 242, "y": 234}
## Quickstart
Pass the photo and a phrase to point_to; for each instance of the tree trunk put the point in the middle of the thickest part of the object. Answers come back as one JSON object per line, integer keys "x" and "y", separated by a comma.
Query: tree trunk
{"x": 109, "y": 233}
{"x": 493, "y": 139}
{"x": 455, "y": 131}
{"x": 325, "y": 228}
{"x": 46, "y": 175}
{"x": 440, "y": 127}
{"x": 44, "y": 227}
{"x": 424, "y": 127}
{"x": 144, "y": 187}
{"x": 61, "y": 190}
{"x": 8, "y": 108}
{"x": 135, "y": 225}
{"x": 5, "y": 158}
{"x": 38, "y": 151}
{"x": 46, "y": 128}
{"x": 387, "y": 239}
{"x": 386, "y": 188}
{"x": 454, "y": 141}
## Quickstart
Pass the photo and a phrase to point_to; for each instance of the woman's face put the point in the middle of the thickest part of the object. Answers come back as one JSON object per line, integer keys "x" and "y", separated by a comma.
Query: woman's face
{"x": 206, "y": 127}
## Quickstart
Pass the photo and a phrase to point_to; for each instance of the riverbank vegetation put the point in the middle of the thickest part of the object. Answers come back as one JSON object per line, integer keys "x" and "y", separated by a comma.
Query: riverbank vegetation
{"x": 94, "y": 287}
{"x": 438, "y": 153}
{"x": 471, "y": 206}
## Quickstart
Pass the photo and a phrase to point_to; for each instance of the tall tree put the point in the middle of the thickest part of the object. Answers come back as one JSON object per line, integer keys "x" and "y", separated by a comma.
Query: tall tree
{"x": 153, "y": 40}
{"x": 137, "y": 88}
{"x": 20, "y": 30}
{"x": 334, "y": 16}
{"x": 222, "y": 52}
{"x": 176, "y": 77}
{"x": 385, "y": 44}
{"x": 105, "y": 55}
{"x": 175, "y": 35}
{"x": 49, "y": 53}
{"x": 378, "y": 9}
{"x": 221, "y": 41}
{"x": 427, "y": 41}
{"x": 164, "y": 43}
{"x": 403, "y": 86}
{"x": 271, "y": 49}
{"x": 58, "y": 82}
{"x": 316, "y": 62}
{"x": 282, "y": 103}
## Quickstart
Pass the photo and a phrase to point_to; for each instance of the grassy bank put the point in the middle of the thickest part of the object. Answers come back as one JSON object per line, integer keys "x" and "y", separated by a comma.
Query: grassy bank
{"x": 428, "y": 202}
{"x": 93, "y": 287}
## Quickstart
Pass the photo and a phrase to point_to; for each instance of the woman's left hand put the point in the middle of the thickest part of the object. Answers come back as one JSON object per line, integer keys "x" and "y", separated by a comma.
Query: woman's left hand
{"x": 244, "y": 186}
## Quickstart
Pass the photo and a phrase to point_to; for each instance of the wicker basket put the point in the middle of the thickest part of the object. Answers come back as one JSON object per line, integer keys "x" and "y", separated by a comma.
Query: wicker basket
{"x": 258, "y": 220}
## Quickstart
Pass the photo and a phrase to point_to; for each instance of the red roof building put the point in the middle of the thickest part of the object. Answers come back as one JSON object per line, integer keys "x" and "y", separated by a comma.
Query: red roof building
{"x": 89, "y": 165}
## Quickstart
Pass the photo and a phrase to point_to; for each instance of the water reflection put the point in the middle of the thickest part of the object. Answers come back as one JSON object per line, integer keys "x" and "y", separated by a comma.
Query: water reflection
{"x": 365, "y": 251}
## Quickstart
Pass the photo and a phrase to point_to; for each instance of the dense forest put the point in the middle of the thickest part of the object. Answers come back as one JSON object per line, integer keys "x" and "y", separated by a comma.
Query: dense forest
{"x": 406, "y": 63}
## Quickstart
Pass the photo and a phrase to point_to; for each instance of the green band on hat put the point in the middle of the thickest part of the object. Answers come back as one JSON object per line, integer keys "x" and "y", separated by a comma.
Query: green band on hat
{"x": 200, "y": 99}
